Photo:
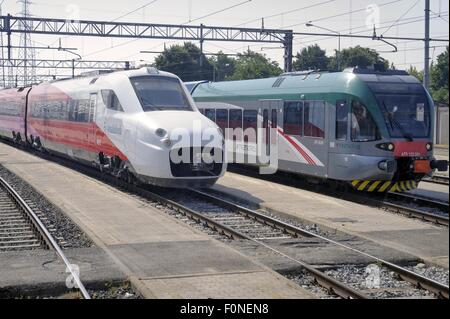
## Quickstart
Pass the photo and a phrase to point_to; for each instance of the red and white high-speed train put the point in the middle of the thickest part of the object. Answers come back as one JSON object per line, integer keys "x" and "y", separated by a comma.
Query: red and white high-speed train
{"x": 128, "y": 123}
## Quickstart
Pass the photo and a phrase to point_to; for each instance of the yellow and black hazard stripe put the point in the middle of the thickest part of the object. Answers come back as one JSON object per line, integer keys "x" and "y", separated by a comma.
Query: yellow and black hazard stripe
{"x": 384, "y": 186}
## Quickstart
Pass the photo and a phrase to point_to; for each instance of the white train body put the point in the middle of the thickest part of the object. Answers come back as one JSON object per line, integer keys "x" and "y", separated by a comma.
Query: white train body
{"x": 128, "y": 122}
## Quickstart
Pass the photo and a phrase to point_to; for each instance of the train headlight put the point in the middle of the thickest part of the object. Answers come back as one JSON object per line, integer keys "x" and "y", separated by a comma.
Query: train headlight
{"x": 161, "y": 132}
{"x": 429, "y": 147}
{"x": 386, "y": 147}
{"x": 167, "y": 142}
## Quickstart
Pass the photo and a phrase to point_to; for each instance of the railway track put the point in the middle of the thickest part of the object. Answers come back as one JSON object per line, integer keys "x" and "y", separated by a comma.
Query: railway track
{"x": 17, "y": 231}
{"x": 246, "y": 224}
{"x": 21, "y": 228}
{"x": 438, "y": 179}
{"x": 396, "y": 202}
{"x": 287, "y": 229}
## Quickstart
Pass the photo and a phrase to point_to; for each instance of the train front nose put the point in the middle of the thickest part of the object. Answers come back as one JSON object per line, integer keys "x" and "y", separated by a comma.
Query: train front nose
{"x": 175, "y": 154}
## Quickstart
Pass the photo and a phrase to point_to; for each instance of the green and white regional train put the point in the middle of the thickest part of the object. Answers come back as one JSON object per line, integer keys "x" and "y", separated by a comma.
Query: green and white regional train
{"x": 371, "y": 129}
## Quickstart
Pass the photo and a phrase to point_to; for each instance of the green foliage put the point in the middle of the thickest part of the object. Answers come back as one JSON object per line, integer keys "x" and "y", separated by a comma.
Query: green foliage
{"x": 311, "y": 58}
{"x": 252, "y": 65}
{"x": 439, "y": 78}
{"x": 416, "y": 73}
{"x": 224, "y": 66}
{"x": 184, "y": 61}
{"x": 359, "y": 57}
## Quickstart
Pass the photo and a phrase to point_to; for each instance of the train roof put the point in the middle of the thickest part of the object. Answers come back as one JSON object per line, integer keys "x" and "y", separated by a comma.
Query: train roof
{"x": 309, "y": 81}
{"x": 92, "y": 77}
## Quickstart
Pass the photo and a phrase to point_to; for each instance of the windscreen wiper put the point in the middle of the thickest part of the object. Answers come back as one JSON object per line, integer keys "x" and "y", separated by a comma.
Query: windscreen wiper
{"x": 393, "y": 121}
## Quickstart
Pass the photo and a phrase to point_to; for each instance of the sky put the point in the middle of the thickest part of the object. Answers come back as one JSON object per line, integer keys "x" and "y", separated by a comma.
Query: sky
{"x": 404, "y": 18}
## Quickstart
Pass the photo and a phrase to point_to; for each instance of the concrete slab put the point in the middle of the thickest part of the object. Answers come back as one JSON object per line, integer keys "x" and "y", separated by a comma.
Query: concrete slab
{"x": 147, "y": 243}
{"x": 44, "y": 268}
{"x": 335, "y": 213}
{"x": 222, "y": 286}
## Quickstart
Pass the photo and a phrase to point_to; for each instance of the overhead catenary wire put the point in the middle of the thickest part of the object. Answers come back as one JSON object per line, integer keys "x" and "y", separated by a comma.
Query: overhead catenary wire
{"x": 287, "y": 12}
{"x": 402, "y": 16}
{"x": 218, "y": 11}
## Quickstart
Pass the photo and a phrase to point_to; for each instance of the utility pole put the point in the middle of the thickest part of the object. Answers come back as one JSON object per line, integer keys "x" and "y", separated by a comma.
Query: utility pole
{"x": 426, "y": 77}
{"x": 26, "y": 52}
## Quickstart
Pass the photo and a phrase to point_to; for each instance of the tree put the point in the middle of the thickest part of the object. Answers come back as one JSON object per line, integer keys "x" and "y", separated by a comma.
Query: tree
{"x": 224, "y": 66}
{"x": 311, "y": 58}
{"x": 360, "y": 57}
{"x": 439, "y": 78}
{"x": 416, "y": 73}
{"x": 184, "y": 61}
{"x": 252, "y": 65}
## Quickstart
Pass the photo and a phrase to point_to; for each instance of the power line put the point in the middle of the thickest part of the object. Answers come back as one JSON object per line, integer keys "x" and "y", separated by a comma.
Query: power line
{"x": 343, "y": 14}
{"x": 287, "y": 12}
{"x": 439, "y": 16}
{"x": 402, "y": 16}
{"x": 219, "y": 11}
{"x": 135, "y": 10}
{"x": 134, "y": 40}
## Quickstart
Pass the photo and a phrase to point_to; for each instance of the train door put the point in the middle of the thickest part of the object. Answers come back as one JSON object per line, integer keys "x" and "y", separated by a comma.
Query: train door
{"x": 270, "y": 113}
{"x": 92, "y": 116}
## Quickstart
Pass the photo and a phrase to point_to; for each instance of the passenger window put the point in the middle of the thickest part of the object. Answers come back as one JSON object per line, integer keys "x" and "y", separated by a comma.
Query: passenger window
{"x": 235, "y": 119}
{"x": 211, "y": 114}
{"x": 236, "y": 124}
{"x": 364, "y": 128}
{"x": 314, "y": 119}
{"x": 251, "y": 122}
{"x": 222, "y": 119}
{"x": 293, "y": 118}
{"x": 342, "y": 111}
{"x": 111, "y": 101}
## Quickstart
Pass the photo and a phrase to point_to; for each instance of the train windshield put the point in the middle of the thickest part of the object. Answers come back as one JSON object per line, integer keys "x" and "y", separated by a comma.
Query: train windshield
{"x": 157, "y": 93}
{"x": 405, "y": 108}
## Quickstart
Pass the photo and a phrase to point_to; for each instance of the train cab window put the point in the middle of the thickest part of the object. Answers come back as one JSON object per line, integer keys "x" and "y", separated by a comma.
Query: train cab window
{"x": 202, "y": 111}
{"x": 364, "y": 128}
{"x": 161, "y": 93}
{"x": 293, "y": 118}
{"x": 222, "y": 119}
{"x": 342, "y": 112}
{"x": 211, "y": 114}
{"x": 111, "y": 101}
{"x": 250, "y": 124}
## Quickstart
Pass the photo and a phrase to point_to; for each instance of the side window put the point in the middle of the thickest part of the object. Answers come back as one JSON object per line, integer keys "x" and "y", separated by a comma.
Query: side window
{"x": 364, "y": 128}
{"x": 251, "y": 122}
{"x": 83, "y": 111}
{"x": 274, "y": 119}
{"x": 202, "y": 111}
{"x": 315, "y": 119}
{"x": 111, "y": 101}
{"x": 211, "y": 114}
{"x": 293, "y": 118}
{"x": 222, "y": 119}
{"x": 342, "y": 111}
{"x": 236, "y": 124}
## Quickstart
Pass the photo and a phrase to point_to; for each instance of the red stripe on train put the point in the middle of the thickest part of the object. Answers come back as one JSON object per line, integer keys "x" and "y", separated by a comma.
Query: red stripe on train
{"x": 304, "y": 154}
{"x": 76, "y": 135}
